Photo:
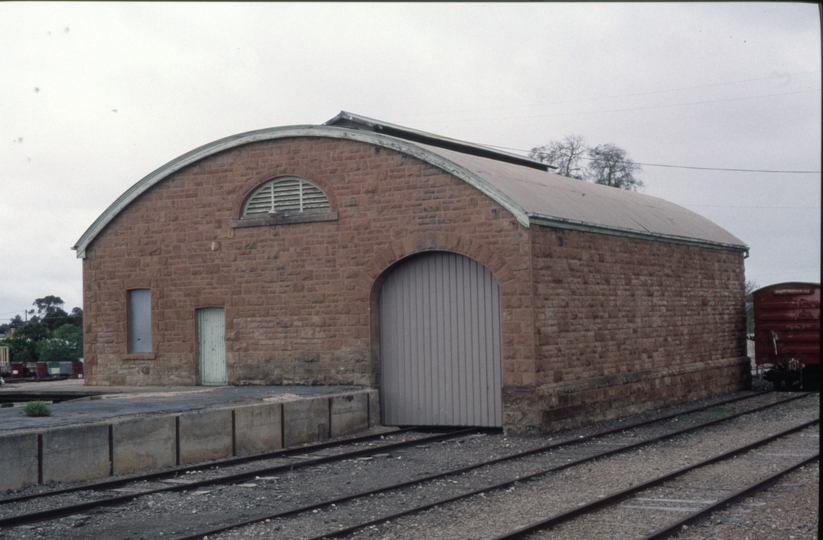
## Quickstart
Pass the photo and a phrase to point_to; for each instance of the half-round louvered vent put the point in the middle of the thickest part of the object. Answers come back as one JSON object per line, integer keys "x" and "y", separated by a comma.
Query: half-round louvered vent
{"x": 286, "y": 195}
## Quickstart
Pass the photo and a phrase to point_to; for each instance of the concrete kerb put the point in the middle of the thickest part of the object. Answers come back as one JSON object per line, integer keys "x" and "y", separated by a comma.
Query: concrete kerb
{"x": 141, "y": 444}
{"x": 258, "y": 429}
{"x": 205, "y": 435}
{"x": 348, "y": 414}
{"x": 75, "y": 453}
{"x": 20, "y": 455}
{"x": 136, "y": 444}
{"x": 306, "y": 421}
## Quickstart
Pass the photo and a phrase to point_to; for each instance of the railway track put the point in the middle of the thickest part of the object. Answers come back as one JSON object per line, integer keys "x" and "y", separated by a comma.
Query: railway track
{"x": 652, "y": 496}
{"x": 522, "y": 531}
{"x": 178, "y": 471}
{"x": 304, "y": 453}
{"x": 499, "y": 473}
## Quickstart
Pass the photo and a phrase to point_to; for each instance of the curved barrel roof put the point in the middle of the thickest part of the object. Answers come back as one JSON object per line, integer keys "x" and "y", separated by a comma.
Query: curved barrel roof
{"x": 522, "y": 186}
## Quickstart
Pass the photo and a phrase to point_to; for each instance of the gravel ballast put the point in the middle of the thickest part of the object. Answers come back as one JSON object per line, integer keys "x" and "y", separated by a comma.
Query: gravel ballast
{"x": 173, "y": 514}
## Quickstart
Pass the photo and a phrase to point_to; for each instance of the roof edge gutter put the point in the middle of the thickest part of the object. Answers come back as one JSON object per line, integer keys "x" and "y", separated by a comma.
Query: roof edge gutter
{"x": 561, "y": 223}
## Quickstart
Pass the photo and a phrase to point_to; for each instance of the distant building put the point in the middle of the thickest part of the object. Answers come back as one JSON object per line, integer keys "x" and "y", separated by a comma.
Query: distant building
{"x": 471, "y": 286}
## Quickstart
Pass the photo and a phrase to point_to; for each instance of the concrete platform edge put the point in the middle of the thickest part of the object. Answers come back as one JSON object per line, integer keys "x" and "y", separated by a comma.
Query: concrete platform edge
{"x": 126, "y": 445}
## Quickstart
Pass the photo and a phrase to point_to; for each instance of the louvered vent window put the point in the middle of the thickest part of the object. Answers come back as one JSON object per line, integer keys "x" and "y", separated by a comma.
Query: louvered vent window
{"x": 286, "y": 196}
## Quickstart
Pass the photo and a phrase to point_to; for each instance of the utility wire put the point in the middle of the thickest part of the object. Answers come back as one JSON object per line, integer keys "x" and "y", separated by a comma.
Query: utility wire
{"x": 673, "y": 166}
{"x": 725, "y": 169}
{"x": 650, "y": 107}
{"x": 40, "y": 319}
{"x": 754, "y": 207}
{"x": 779, "y": 76}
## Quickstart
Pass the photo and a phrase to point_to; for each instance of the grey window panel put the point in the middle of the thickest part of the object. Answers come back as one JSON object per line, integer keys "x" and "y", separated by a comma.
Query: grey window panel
{"x": 139, "y": 321}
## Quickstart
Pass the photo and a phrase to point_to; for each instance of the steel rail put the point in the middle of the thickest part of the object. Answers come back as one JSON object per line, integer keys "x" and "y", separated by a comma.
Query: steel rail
{"x": 509, "y": 483}
{"x": 227, "y": 462}
{"x": 510, "y": 457}
{"x": 54, "y": 513}
{"x": 734, "y": 497}
{"x": 616, "y": 497}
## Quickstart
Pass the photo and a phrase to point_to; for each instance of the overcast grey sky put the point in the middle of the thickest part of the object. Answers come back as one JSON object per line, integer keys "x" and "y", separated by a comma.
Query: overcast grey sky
{"x": 94, "y": 96}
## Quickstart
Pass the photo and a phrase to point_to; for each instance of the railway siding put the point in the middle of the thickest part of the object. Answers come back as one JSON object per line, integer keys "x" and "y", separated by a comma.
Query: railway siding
{"x": 181, "y": 514}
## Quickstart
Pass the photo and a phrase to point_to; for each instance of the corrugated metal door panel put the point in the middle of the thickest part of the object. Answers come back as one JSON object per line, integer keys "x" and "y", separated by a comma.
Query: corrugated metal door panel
{"x": 440, "y": 343}
{"x": 211, "y": 331}
{"x": 140, "y": 321}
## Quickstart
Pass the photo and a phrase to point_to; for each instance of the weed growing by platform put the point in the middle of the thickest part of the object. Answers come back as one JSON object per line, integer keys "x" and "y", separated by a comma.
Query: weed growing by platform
{"x": 37, "y": 408}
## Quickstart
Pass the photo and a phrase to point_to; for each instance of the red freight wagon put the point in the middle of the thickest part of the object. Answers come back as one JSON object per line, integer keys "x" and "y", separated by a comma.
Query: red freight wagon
{"x": 787, "y": 334}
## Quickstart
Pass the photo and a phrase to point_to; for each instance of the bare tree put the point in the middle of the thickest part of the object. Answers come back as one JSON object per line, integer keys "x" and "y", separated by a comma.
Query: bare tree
{"x": 565, "y": 155}
{"x": 607, "y": 164}
{"x": 610, "y": 166}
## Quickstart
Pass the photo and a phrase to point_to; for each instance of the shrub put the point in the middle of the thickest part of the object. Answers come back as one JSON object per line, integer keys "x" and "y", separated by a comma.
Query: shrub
{"x": 56, "y": 350}
{"x": 20, "y": 349}
{"x": 37, "y": 408}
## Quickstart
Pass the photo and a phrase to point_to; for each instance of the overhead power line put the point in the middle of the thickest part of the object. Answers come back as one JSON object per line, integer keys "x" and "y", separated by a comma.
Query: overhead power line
{"x": 724, "y": 169}
{"x": 651, "y": 107}
{"x": 526, "y": 152}
{"x": 754, "y": 207}
{"x": 634, "y": 94}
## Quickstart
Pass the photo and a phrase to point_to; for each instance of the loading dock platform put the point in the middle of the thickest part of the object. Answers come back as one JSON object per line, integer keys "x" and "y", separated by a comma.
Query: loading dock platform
{"x": 118, "y": 430}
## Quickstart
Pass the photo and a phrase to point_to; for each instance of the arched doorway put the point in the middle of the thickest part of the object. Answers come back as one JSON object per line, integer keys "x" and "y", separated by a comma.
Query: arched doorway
{"x": 440, "y": 345}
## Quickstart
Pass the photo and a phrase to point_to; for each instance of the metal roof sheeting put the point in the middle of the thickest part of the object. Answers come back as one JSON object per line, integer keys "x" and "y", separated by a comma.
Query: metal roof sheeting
{"x": 552, "y": 199}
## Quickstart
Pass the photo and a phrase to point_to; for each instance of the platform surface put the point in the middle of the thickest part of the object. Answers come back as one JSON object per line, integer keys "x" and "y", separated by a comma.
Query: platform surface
{"x": 112, "y": 401}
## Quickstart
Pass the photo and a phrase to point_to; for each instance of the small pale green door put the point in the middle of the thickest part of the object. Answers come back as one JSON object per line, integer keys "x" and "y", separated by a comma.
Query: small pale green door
{"x": 211, "y": 337}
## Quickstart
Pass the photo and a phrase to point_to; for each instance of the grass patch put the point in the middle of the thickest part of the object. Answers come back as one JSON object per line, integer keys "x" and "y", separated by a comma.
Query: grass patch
{"x": 37, "y": 408}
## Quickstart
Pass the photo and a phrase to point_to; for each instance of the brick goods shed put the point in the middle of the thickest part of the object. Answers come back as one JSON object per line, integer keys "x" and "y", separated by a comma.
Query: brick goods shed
{"x": 471, "y": 286}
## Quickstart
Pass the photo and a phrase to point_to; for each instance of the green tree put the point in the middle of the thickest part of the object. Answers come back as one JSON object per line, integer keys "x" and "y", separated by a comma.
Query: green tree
{"x": 20, "y": 349}
{"x": 57, "y": 350}
{"x": 48, "y": 305}
{"x": 76, "y": 317}
{"x": 50, "y": 311}
{"x": 33, "y": 331}
{"x": 23, "y": 345}
{"x": 71, "y": 333}
{"x": 14, "y": 323}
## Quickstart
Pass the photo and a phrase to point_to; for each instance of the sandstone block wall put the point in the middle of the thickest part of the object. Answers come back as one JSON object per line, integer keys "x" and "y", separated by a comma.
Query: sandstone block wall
{"x": 592, "y": 325}
{"x": 299, "y": 298}
{"x": 624, "y": 325}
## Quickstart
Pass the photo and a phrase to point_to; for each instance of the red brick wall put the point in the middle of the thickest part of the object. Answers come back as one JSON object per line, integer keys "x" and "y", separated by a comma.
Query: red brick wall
{"x": 298, "y": 296}
{"x": 625, "y": 324}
